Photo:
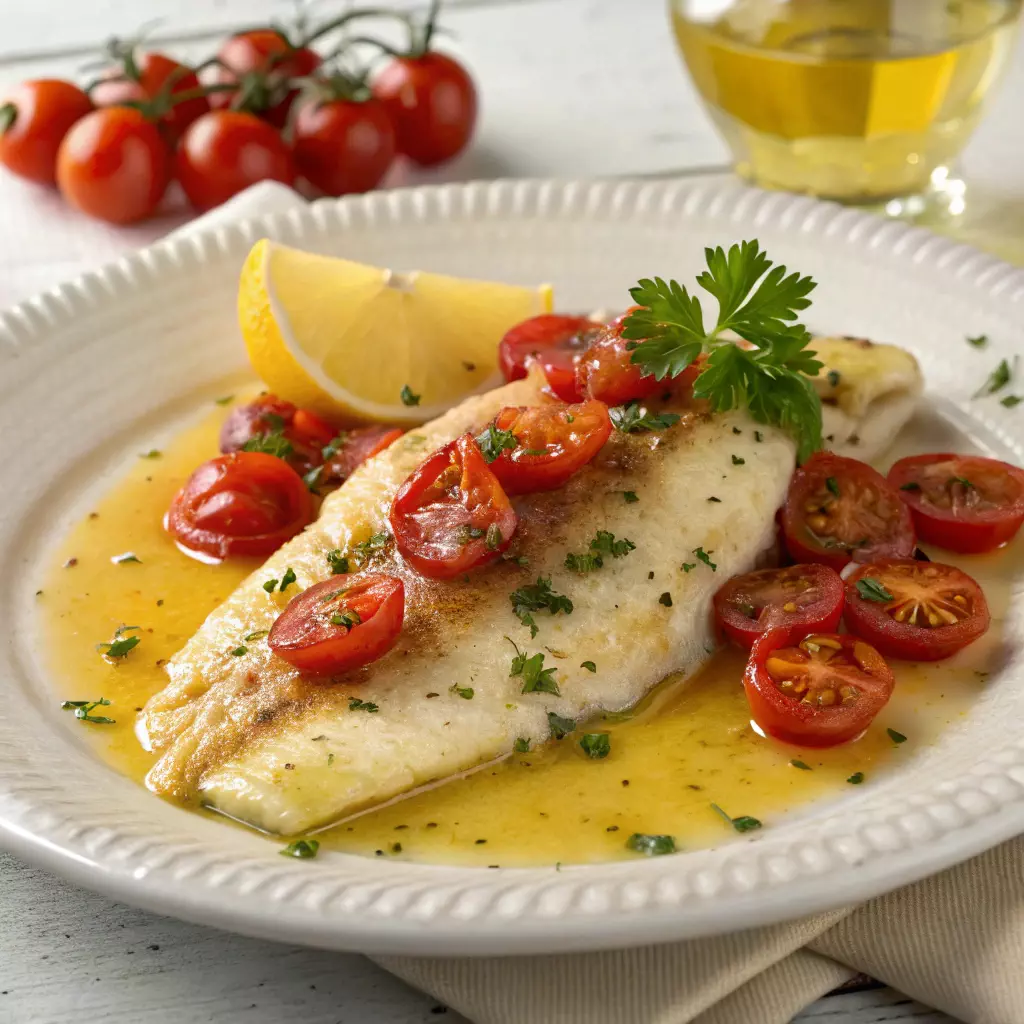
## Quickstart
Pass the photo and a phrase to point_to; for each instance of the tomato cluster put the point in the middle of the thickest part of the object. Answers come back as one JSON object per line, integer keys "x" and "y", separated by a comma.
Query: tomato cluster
{"x": 809, "y": 685}
{"x": 266, "y": 107}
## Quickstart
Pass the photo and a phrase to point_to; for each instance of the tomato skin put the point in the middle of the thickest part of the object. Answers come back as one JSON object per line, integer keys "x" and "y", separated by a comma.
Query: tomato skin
{"x": 432, "y": 103}
{"x": 569, "y": 445}
{"x": 556, "y": 341}
{"x": 816, "y": 589}
{"x": 154, "y": 71}
{"x": 226, "y": 151}
{"x": 868, "y": 510}
{"x": 245, "y": 503}
{"x": 343, "y": 146}
{"x": 114, "y": 165}
{"x": 44, "y": 111}
{"x": 606, "y": 371}
{"x": 307, "y": 433}
{"x": 360, "y": 444}
{"x": 267, "y": 53}
{"x": 950, "y": 516}
{"x": 304, "y": 636}
{"x": 932, "y": 581}
{"x": 452, "y": 492}
{"x": 805, "y": 724}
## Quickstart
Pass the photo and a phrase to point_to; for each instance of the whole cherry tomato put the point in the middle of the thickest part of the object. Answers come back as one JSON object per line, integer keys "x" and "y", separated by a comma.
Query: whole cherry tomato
{"x": 921, "y": 611}
{"x": 226, "y": 151}
{"x": 451, "y": 515}
{"x": 432, "y": 102}
{"x": 264, "y": 63}
{"x": 965, "y": 503}
{"x": 556, "y": 341}
{"x": 343, "y": 145}
{"x": 840, "y": 510}
{"x": 145, "y": 75}
{"x": 113, "y": 164}
{"x": 340, "y": 624}
{"x": 819, "y": 693}
{"x": 34, "y": 118}
{"x": 245, "y": 503}
{"x": 798, "y": 599}
{"x": 537, "y": 448}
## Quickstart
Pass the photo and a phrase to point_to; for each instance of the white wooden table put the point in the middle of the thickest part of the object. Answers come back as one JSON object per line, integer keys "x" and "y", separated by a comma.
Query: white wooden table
{"x": 570, "y": 88}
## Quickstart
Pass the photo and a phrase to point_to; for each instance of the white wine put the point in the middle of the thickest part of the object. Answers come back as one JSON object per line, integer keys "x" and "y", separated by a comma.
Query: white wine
{"x": 858, "y": 100}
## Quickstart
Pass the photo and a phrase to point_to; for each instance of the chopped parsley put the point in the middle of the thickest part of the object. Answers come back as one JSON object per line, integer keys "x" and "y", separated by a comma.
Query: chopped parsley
{"x": 362, "y": 551}
{"x": 896, "y": 737}
{"x": 856, "y": 779}
{"x": 737, "y": 461}
{"x": 688, "y": 566}
{"x": 239, "y": 651}
{"x": 758, "y": 436}
{"x": 153, "y": 453}
{"x": 465, "y": 692}
{"x": 760, "y": 303}
{"x": 604, "y": 543}
{"x": 303, "y": 849}
{"x": 127, "y": 557}
{"x": 224, "y": 400}
{"x": 312, "y": 479}
{"x": 408, "y": 396}
{"x": 349, "y": 618}
{"x": 560, "y": 727}
{"x": 521, "y": 745}
{"x": 337, "y": 562}
{"x": 833, "y": 377}
{"x": 1011, "y": 401}
{"x": 596, "y": 745}
{"x": 870, "y": 589}
{"x": 665, "y": 599}
{"x": 83, "y": 710}
{"x": 271, "y": 585}
{"x": 715, "y": 500}
{"x": 588, "y": 665}
{"x": 273, "y": 442}
{"x": 744, "y": 823}
{"x": 630, "y": 497}
{"x": 334, "y": 446}
{"x": 492, "y": 442}
{"x": 997, "y": 379}
{"x": 536, "y": 678}
{"x": 651, "y": 846}
{"x": 705, "y": 557}
{"x": 121, "y": 644}
{"x": 978, "y": 341}
{"x": 537, "y": 597}
{"x": 355, "y": 704}
{"x": 493, "y": 537}
{"x": 258, "y": 634}
{"x": 802, "y": 765}
{"x": 287, "y": 579}
{"x": 833, "y": 485}
{"x": 633, "y": 418}
{"x": 911, "y": 486}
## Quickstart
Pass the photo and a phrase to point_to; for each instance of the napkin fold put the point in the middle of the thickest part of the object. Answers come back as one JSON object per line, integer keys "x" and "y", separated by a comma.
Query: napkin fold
{"x": 954, "y": 941}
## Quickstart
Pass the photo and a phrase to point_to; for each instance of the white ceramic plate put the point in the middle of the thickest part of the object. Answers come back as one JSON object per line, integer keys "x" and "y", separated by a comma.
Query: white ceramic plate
{"x": 136, "y": 346}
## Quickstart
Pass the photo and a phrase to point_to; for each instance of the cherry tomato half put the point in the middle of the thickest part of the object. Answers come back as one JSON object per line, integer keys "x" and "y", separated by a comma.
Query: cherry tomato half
{"x": 452, "y": 515}
{"x": 246, "y": 503}
{"x": 606, "y": 370}
{"x": 920, "y": 611}
{"x": 355, "y": 448}
{"x": 964, "y": 503}
{"x": 556, "y": 342}
{"x": 340, "y": 624}
{"x": 819, "y": 693}
{"x": 840, "y": 510}
{"x": 113, "y": 164}
{"x": 34, "y": 118}
{"x": 343, "y": 146}
{"x": 142, "y": 76}
{"x": 797, "y": 600}
{"x": 553, "y": 442}
{"x": 226, "y": 151}
{"x": 304, "y": 433}
{"x": 432, "y": 103}
{"x": 264, "y": 63}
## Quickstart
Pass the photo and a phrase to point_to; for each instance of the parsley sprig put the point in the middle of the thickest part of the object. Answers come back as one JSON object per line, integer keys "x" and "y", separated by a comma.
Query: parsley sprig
{"x": 760, "y": 303}
{"x": 533, "y": 673}
{"x": 535, "y": 597}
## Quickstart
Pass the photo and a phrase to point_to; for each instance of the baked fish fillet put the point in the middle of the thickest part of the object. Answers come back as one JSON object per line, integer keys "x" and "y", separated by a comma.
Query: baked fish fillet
{"x": 249, "y": 736}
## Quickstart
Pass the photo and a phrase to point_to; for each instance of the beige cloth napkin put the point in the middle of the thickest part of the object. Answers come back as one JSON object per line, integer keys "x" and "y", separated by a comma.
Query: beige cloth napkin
{"x": 954, "y": 941}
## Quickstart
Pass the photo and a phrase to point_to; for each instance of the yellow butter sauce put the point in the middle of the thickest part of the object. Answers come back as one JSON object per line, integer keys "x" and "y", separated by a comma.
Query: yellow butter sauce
{"x": 685, "y": 748}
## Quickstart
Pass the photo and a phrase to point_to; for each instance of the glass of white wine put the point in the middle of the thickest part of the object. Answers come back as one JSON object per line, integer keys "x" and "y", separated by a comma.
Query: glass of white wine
{"x": 863, "y": 101}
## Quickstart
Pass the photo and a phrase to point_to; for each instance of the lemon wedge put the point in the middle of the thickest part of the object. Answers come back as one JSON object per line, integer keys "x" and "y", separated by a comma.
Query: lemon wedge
{"x": 362, "y": 343}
